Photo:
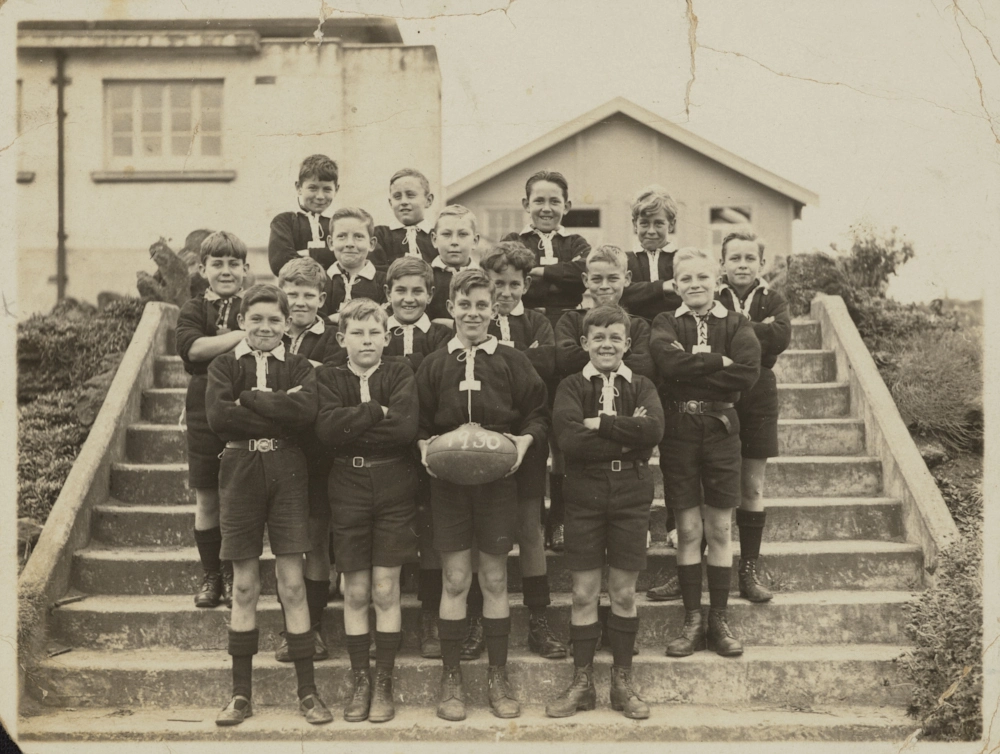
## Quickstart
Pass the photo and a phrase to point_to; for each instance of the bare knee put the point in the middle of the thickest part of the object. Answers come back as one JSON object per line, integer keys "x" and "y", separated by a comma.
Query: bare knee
{"x": 493, "y": 581}
{"x": 718, "y": 534}
{"x": 689, "y": 528}
{"x": 246, "y": 594}
{"x": 623, "y": 598}
{"x": 385, "y": 594}
{"x": 357, "y": 594}
{"x": 584, "y": 596}
{"x": 456, "y": 581}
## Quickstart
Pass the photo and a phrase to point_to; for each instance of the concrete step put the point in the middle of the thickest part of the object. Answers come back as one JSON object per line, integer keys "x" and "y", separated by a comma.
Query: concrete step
{"x": 116, "y": 622}
{"x": 675, "y": 722}
{"x": 786, "y": 566}
{"x": 820, "y": 437}
{"x": 151, "y": 483}
{"x": 792, "y": 676}
{"x": 147, "y": 442}
{"x": 163, "y": 405}
{"x": 801, "y": 366}
{"x": 806, "y": 334}
{"x": 819, "y": 400}
{"x": 168, "y": 371}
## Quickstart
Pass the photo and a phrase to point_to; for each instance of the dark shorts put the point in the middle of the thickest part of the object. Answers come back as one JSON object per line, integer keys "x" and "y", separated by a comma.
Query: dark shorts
{"x": 758, "y": 412}
{"x": 374, "y": 515}
{"x": 258, "y": 489}
{"x": 607, "y": 517}
{"x": 532, "y": 474}
{"x": 429, "y": 557}
{"x": 319, "y": 500}
{"x": 203, "y": 445}
{"x": 482, "y": 515}
{"x": 698, "y": 454}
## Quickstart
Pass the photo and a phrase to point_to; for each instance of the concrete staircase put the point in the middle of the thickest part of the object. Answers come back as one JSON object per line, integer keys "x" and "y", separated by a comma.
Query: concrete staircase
{"x": 820, "y": 660}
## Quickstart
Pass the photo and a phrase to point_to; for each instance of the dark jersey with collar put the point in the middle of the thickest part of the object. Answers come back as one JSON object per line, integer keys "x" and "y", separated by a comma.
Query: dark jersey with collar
{"x": 645, "y": 297}
{"x": 688, "y": 376}
{"x": 238, "y": 412}
{"x": 199, "y": 318}
{"x": 392, "y": 244}
{"x": 314, "y": 346}
{"x": 511, "y": 396}
{"x": 561, "y": 286}
{"x": 292, "y": 233}
{"x": 570, "y": 356}
{"x": 638, "y": 265}
{"x": 437, "y": 308}
{"x": 348, "y": 427}
{"x": 336, "y": 290}
{"x": 774, "y": 336}
{"x": 579, "y": 398}
{"x": 531, "y": 327}
{"x": 424, "y": 343}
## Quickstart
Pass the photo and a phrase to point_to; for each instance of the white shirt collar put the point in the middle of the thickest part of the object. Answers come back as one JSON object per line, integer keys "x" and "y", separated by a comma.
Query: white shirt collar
{"x": 368, "y": 271}
{"x": 670, "y": 248}
{"x": 425, "y": 225}
{"x": 327, "y": 213}
{"x": 438, "y": 264}
{"x": 211, "y": 295}
{"x": 489, "y": 345}
{"x": 318, "y": 327}
{"x": 423, "y": 324}
{"x": 757, "y": 283}
{"x": 590, "y": 371}
{"x": 718, "y": 310}
{"x": 243, "y": 349}
{"x": 517, "y": 311}
{"x": 560, "y": 231}
{"x": 367, "y": 373}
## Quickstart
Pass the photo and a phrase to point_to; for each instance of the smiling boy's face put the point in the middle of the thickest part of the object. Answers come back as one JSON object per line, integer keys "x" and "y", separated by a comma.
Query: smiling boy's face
{"x": 408, "y": 200}
{"x": 606, "y": 345}
{"x": 511, "y": 285}
{"x": 265, "y": 324}
{"x": 364, "y": 340}
{"x": 546, "y": 205}
{"x": 742, "y": 262}
{"x": 652, "y": 230}
{"x": 315, "y": 195}
{"x": 472, "y": 312}
{"x": 408, "y": 296}
{"x": 224, "y": 274}
{"x": 605, "y": 282}
{"x": 454, "y": 238}
{"x": 694, "y": 281}
{"x": 304, "y": 302}
{"x": 350, "y": 242}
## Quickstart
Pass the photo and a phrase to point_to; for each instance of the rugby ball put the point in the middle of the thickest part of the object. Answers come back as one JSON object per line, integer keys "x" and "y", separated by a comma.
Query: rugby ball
{"x": 471, "y": 454}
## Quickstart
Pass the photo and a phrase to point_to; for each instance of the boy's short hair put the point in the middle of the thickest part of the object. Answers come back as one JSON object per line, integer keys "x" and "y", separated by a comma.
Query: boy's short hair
{"x": 508, "y": 254}
{"x": 552, "y": 177}
{"x": 358, "y": 309}
{"x": 320, "y": 167}
{"x": 651, "y": 200}
{"x": 412, "y": 172}
{"x": 609, "y": 255}
{"x": 222, "y": 243}
{"x": 743, "y": 235}
{"x": 469, "y": 279}
{"x": 606, "y": 315}
{"x": 693, "y": 252}
{"x": 303, "y": 271}
{"x": 405, "y": 266}
{"x": 264, "y": 293}
{"x": 358, "y": 214}
{"x": 456, "y": 210}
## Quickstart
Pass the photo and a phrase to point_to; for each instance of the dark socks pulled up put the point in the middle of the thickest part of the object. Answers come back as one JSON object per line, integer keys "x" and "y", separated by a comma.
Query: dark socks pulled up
{"x": 751, "y": 526}
{"x": 209, "y": 542}
{"x": 497, "y": 633}
{"x": 452, "y": 633}
{"x": 584, "y": 639}
{"x": 357, "y": 650}
{"x": 689, "y": 580}
{"x": 300, "y": 650}
{"x": 621, "y": 634}
{"x": 720, "y": 578}
{"x": 242, "y": 648}
{"x": 317, "y": 594}
{"x": 386, "y": 645}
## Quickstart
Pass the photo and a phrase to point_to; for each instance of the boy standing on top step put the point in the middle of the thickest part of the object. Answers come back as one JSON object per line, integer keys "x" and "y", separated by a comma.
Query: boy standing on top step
{"x": 303, "y": 232}
{"x": 409, "y": 236}
{"x": 206, "y": 327}
{"x": 261, "y": 400}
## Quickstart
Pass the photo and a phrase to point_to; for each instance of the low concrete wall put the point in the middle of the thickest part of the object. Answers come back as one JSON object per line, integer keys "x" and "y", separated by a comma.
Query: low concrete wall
{"x": 46, "y": 576}
{"x": 926, "y": 518}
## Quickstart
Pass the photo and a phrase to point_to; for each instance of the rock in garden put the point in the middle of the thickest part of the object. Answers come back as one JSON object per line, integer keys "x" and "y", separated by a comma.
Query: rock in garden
{"x": 932, "y": 452}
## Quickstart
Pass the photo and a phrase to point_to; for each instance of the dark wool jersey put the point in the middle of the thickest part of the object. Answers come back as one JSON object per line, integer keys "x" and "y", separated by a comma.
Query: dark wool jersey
{"x": 291, "y": 234}
{"x": 759, "y": 303}
{"x": 238, "y": 412}
{"x": 315, "y": 343}
{"x": 638, "y": 264}
{"x": 199, "y": 318}
{"x": 348, "y": 427}
{"x": 392, "y": 244}
{"x": 427, "y": 337}
{"x": 369, "y": 283}
{"x": 561, "y": 286}
{"x": 570, "y": 356}
{"x": 528, "y": 326}
{"x": 438, "y": 306}
{"x": 579, "y": 398}
{"x": 688, "y": 376}
{"x": 511, "y": 396}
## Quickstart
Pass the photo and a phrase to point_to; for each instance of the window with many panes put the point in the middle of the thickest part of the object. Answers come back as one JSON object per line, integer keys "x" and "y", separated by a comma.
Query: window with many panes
{"x": 163, "y": 125}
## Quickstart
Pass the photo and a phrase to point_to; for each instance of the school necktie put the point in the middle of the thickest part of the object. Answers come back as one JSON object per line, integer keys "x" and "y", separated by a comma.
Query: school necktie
{"x": 654, "y": 265}
{"x": 314, "y": 226}
{"x": 744, "y": 306}
{"x": 349, "y": 282}
{"x": 261, "y": 358}
{"x": 545, "y": 245}
{"x": 296, "y": 342}
{"x": 225, "y": 306}
{"x": 504, "y": 324}
{"x": 411, "y": 241}
{"x": 702, "y": 329}
{"x": 407, "y": 332}
{"x": 608, "y": 393}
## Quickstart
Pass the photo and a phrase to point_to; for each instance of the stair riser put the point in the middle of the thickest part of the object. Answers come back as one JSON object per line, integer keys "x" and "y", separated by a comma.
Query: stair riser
{"x": 170, "y": 373}
{"x": 162, "y": 408}
{"x": 145, "y": 445}
{"x": 820, "y": 439}
{"x": 806, "y": 335}
{"x": 806, "y": 402}
{"x": 803, "y": 366}
{"x": 790, "y": 572}
{"x": 756, "y": 625}
{"x": 129, "y": 528}
{"x": 163, "y": 486}
{"x": 777, "y": 683}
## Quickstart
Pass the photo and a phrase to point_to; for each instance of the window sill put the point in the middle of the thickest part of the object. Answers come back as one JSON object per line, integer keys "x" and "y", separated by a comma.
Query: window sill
{"x": 25, "y": 176}
{"x": 162, "y": 176}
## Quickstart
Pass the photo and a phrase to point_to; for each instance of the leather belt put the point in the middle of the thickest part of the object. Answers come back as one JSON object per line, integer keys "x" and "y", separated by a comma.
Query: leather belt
{"x": 360, "y": 462}
{"x": 610, "y": 465}
{"x": 262, "y": 445}
{"x": 700, "y": 407}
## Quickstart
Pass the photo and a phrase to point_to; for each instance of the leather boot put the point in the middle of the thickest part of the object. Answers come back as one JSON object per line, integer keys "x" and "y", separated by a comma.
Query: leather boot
{"x": 624, "y": 697}
{"x": 542, "y": 641}
{"x": 356, "y": 710}
{"x": 227, "y": 583}
{"x": 430, "y": 641}
{"x": 382, "y": 709}
{"x": 750, "y": 586}
{"x": 720, "y": 637}
{"x": 668, "y": 590}
{"x": 502, "y": 701}
{"x": 451, "y": 702}
{"x": 579, "y": 695}
{"x": 691, "y": 638}
{"x": 475, "y": 640}
{"x": 210, "y": 592}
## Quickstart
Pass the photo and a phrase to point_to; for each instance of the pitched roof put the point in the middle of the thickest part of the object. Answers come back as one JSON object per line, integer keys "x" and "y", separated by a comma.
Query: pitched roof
{"x": 796, "y": 193}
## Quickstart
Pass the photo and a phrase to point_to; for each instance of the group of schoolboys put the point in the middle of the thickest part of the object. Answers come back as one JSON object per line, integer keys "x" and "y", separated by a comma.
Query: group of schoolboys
{"x": 312, "y": 403}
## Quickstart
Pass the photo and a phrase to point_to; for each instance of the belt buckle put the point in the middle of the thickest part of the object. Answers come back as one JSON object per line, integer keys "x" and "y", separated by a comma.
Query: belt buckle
{"x": 693, "y": 407}
{"x": 358, "y": 462}
{"x": 265, "y": 445}
{"x": 616, "y": 465}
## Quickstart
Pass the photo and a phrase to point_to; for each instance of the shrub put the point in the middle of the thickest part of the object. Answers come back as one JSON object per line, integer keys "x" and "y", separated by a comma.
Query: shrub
{"x": 873, "y": 258}
{"x": 946, "y": 665}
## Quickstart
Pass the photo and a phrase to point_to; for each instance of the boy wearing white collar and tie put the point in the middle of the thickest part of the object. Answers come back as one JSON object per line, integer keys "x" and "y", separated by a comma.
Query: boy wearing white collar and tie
{"x": 303, "y": 232}
{"x": 261, "y": 400}
{"x": 651, "y": 291}
{"x": 455, "y": 237}
{"x": 409, "y": 235}
{"x": 353, "y": 275}
{"x": 608, "y": 420}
